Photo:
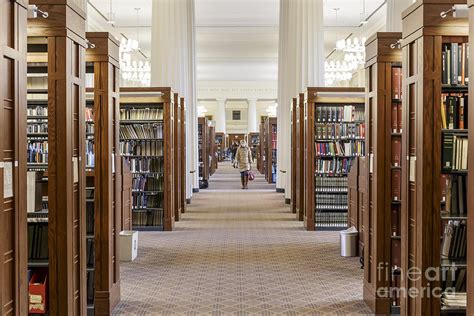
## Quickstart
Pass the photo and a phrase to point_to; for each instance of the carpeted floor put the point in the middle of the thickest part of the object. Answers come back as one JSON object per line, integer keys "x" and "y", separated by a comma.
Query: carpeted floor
{"x": 240, "y": 252}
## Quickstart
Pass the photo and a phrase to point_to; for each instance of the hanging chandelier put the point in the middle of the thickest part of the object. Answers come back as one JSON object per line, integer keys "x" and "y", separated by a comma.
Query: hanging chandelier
{"x": 355, "y": 45}
{"x": 133, "y": 70}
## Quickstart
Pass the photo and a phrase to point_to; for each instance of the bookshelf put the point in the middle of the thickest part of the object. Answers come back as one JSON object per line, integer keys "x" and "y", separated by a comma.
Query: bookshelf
{"x": 147, "y": 141}
{"x": 254, "y": 145}
{"x": 183, "y": 167}
{"x": 383, "y": 177}
{"x": 430, "y": 215}
{"x": 212, "y": 150}
{"x": 334, "y": 136}
{"x": 263, "y": 141}
{"x": 13, "y": 242}
{"x": 356, "y": 195}
{"x": 126, "y": 194}
{"x": 178, "y": 156}
{"x": 294, "y": 128}
{"x": 470, "y": 187}
{"x": 63, "y": 49}
{"x": 203, "y": 135}
{"x": 270, "y": 149}
{"x": 221, "y": 147}
{"x": 236, "y": 138}
{"x": 299, "y": 174}
{"x": 104, "y": 180}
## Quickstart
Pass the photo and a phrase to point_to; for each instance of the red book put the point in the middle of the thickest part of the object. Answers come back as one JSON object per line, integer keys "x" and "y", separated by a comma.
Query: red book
{"x": 399, "y": 118}
{"x": 443, "y": 186}
{"x": 396, "y": 184}
{"x": 396, "y": 83}
{"x": 395, "y": 221}
{"x": 37, "y": 292}
{"x": 396, "y": 152}
{"x": 394, "y": 117}
{"x": 396, "y": 252}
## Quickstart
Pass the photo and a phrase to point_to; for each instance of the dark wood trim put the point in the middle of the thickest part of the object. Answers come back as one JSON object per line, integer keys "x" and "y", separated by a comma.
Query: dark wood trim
{"x": 212, "y": 150}
{"x": 470, "y": 177}
{"x": 177, "y": 157}
{"x": 183, "y": 172}
{"x": 164, "y": 96}
{"x": 203, "y": 124}
{"x": 293, "y": 155}
{"x": 108, "y": 170}
{"x": 313, "y": 97}
{"x": 300, "y": 175}
{"x": 13, "y": 235}
{"x": 424, "y": 31}
{"x": 380, "y": 59}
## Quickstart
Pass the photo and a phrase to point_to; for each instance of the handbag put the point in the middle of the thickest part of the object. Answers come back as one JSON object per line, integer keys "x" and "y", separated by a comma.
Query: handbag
{"x": 251, "y": 176}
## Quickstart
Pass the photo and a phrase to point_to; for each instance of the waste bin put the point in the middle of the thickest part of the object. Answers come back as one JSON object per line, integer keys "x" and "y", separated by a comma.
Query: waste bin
{"x": 128, "y": 243}
{"x": 348, "y": 239}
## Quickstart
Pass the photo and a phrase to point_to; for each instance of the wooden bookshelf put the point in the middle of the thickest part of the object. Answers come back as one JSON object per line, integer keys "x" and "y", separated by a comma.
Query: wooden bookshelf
{"x": 103, "y": 59}
{"x": 293, "y": 155}
{"x": 65, "y": 57}
{"x": 270, "y": 149}
{"x": 212, "y": 150}
{"x": 299, "y": 173}
{"x": 236, "y": 138}
{"x": 470, "y": 187}
{"x": 221, "y": 146}
{"x": 332, "y": 116}
{"x": 183, "y": 168}
{"x": 126, "y": 196}
{"x": 203, "y": 136}
{"x": 357, "y": 187}
{"x": 383, "y": 145}
{"x": 425, "y": 193}
{"x": 253, "y": 140}
{"x": 263, "y": 141}
{"x": 178, "y": 156}
{"x": 13, "y": 241}
{"x": 151, "y": 154}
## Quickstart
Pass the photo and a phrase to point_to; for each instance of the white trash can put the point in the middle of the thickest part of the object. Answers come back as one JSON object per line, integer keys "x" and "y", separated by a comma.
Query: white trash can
{"x": 348, "y": 239}
{"x": 128, "y": 244}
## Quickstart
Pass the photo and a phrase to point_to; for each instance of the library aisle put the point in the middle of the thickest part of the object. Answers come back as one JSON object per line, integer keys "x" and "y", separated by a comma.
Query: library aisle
{"x": 240, "y": 251}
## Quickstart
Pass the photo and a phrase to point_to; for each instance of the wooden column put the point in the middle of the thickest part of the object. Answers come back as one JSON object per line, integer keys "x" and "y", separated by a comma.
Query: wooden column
{"x": 177, "y": 157}
{"x": 183, "y": 154}
{"x": 107, "y": 171}
{"x": 13, "y": 244}
{"x": 380, "y": 58}
{"x": 424, "y": 32}
{"x": 293, "y": 156}
{"x": 65, "y": 29}
{"x": 300, "y": 175}
{"x": 470, "y": 177}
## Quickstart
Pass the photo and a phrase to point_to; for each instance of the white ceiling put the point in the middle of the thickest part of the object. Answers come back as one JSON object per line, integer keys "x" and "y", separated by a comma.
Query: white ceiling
{"x": 236, "y": 40}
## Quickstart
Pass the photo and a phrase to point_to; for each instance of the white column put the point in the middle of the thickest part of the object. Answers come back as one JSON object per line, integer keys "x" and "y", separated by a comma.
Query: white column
{"x": 394, "y": 14}
{"x": 220, "y": 116}
{"x": 301, "y": 65}
{"x": 174, "y": 64}
{"x": 252, "y": 116}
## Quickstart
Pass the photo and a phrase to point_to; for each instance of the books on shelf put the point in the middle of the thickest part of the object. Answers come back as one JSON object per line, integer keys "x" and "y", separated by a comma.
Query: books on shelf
{"x": 454, "y": 244}
{"x": 147, "y": 218}
{"x": 454, "y": 111}
{"x": 37, "y": 152}
{"x": 396, "y": 83}
{"x": 326, "y": 131}
{"x": 454, "y": 151}
{"x": 150, "y": 183}
{"x": 37, "y": 241}
{"x": 339, "y": 113}
{"x": 455, "y": 299}
{"x": 138, "y": 114}
{"x": 340, "y": 148}
{"x": 146, "y": 165}
{"x": 333, "y": 167}
{"x": 331, "y": 185}
{"x": 141, "y": 131}
{"x": 454, "y": 192}
{"x": 331, "y": 219}
{"x": 396, "y": 117}
{"x": 455, "y": 64}
{"x": 141, "y": 148}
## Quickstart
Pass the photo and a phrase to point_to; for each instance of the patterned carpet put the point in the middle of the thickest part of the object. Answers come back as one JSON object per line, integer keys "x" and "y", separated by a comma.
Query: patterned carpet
{"x": 240, "y": 252}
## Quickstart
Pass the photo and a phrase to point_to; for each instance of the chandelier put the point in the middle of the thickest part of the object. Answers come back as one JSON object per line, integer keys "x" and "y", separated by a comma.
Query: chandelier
{"x": 351, "y": 46}
{"x": 133, "y": 70}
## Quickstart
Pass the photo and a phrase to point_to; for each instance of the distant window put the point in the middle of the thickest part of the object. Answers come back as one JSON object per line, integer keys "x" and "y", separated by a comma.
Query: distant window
{"x": 236, "y": 115}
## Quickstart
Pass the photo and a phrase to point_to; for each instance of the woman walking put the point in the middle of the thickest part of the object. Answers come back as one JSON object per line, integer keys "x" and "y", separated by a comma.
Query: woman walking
{"x": 244, "y": 160}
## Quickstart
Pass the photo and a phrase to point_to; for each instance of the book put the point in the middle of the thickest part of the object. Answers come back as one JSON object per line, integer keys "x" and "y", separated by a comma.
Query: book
{"x": 396, "y": 185}
{"x": 394, "y": 118}
{"x": 396, "y": 152}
